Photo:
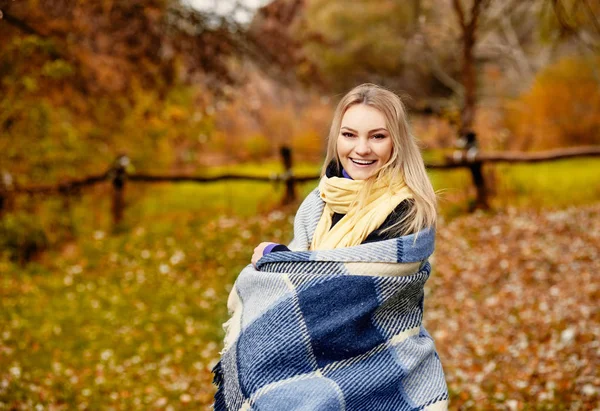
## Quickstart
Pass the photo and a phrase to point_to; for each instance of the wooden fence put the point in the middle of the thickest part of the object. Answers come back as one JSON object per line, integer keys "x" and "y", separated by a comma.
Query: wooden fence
{"x": 117, "y": 174}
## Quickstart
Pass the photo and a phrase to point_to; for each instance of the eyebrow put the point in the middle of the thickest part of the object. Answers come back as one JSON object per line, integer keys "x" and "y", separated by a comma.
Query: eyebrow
{"x": 370, "y": 131}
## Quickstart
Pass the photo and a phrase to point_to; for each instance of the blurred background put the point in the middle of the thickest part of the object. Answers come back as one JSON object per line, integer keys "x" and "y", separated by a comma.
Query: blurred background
{"x": 141, "y": 163}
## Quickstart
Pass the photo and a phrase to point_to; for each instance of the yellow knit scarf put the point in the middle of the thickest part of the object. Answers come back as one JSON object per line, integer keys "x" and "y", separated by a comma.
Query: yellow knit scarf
{"x": 339, "y": 195}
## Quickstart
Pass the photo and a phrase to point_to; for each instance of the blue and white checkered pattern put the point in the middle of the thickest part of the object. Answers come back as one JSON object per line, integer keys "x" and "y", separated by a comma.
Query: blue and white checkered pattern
{"x": 309, "y": 333}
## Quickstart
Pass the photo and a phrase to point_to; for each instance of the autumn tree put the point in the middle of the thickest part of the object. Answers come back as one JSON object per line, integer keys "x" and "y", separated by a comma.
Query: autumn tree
{"x": 81, "y": 81}
{"x": 432, "y": 49}
{"x": 359, "y": 41}
{"x": 575, "y": 19}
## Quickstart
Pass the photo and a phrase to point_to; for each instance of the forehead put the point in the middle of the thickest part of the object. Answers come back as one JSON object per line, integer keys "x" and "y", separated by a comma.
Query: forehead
{"x": 362, "y": 116}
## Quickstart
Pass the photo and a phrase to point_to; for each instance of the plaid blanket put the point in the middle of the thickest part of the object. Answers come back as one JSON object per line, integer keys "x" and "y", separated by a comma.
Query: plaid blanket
{"x": 332, "y": 330}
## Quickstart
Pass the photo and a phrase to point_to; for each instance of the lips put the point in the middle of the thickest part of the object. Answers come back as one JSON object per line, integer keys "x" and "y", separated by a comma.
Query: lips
{"x": 362, "y": 162}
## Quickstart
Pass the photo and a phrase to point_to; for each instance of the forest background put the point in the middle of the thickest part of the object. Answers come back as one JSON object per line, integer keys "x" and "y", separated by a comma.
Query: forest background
{"x": 128, "y": 316}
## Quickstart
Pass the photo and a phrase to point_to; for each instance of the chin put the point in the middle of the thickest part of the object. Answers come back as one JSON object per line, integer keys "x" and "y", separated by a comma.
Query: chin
{"x": 361, "y": 174}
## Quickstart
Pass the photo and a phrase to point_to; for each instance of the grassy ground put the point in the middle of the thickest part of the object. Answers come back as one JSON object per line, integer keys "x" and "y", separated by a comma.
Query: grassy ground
{"x": 130, "y": 318}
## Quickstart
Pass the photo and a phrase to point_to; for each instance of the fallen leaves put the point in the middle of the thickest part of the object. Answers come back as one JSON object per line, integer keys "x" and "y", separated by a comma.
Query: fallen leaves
{"x": 513, "y": 305}
{"x": 134, "y": 321}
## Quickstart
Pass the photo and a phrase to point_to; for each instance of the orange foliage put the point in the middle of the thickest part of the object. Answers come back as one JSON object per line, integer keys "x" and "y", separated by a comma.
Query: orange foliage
{"x": 256, "y": 124}
{"x": 433, "y": 132}
{"x": 561, "y": 109}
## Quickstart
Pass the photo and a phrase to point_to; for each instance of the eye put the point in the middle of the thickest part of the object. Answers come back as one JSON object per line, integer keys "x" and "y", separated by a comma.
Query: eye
{"x": 379, "y": 136}
{"x": 347, "y": 134}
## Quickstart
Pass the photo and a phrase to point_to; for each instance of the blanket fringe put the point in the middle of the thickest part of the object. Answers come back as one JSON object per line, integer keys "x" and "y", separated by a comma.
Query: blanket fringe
{"x": 218, "y": 374}
{"x": 219, "y": 404}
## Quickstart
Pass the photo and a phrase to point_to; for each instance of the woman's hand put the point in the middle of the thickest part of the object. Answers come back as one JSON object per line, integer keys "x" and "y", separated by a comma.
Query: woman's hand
{"x": 258, "y": 252}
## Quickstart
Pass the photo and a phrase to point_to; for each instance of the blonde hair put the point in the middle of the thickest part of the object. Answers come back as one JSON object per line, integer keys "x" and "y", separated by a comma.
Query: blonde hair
{"x": 405, "y": 160}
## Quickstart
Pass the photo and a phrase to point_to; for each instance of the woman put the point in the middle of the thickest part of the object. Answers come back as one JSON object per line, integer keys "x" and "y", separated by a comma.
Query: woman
{"x": 334, "y": 321}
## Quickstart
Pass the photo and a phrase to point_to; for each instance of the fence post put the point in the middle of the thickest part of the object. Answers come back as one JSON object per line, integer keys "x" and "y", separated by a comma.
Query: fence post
{"x": 468, "y": 142}
{"x": 288, "y": 175}
{"x": 477, "y": 174}
{"x": 6, "y": 185}
{"x": 119, "y": 175}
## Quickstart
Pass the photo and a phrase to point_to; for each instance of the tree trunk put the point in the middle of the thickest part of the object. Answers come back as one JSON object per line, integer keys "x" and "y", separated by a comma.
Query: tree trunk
{"x": 468, "y": 28}
{"x": 467, "y": 116}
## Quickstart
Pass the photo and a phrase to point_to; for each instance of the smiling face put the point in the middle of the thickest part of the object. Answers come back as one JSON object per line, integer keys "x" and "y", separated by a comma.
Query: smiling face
{"x": 364, "y": 143}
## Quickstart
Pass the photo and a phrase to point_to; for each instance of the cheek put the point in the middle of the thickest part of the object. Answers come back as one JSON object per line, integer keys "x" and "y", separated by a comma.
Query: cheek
{"x": 340, "y": 147}
{"x": 386, "y": 152}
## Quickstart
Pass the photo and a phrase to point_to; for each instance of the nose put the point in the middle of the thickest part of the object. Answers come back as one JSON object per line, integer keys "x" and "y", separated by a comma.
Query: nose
{"x": 362, "y": 147}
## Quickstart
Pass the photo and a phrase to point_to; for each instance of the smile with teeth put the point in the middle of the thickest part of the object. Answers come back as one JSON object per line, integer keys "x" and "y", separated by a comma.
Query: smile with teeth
{"x": 362, "y": 162}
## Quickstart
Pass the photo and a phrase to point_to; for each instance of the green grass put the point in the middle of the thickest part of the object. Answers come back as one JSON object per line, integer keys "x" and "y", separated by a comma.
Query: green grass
{"x": 131, "y": 318}
{"x": 230, "y": 197}
{"x": 555, "y": 184}
{"x": 130, "y": 321}
{"x": 534, "y": 185}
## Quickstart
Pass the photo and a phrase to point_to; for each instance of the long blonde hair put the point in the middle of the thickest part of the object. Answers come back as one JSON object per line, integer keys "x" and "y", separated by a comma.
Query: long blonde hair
{"x": 406, "y": 159}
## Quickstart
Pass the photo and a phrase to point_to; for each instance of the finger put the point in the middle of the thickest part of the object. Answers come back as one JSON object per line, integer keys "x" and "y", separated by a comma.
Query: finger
{"x": 255, "y": 258}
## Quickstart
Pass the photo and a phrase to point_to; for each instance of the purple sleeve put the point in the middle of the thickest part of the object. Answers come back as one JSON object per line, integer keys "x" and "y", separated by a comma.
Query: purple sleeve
{"x": 274, "y": 248}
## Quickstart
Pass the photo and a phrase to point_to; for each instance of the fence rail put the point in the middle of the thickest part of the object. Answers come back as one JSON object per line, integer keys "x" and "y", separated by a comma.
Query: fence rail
{"x": 118, "y": 175}
{"x": 550, "y": 155}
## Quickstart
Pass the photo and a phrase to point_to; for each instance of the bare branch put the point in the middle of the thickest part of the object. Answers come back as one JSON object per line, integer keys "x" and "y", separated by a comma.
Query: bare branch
{"x": 561, "y": 16}
{"x": 437, "y": 70}
{"x": 573, "y": 28}
{"x": 434, "y": 64}
{"x": 20, "y": 24}
{"x": 593, "y": 18}
{"x": 517, "y": 53}
{"x": 460, "y": 13}
{"x": 478, "y": 6}
{"x": 494, "y": 15}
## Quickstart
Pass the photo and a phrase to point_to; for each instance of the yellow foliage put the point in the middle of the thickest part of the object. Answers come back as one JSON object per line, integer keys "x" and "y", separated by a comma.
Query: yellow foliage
{"x": 258, "y": 147}
{"x": 254, "y": 126}
{"x": 561, "y": 109}
{"x": 308, "y": 145}
{"x": 177, "y": 113}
